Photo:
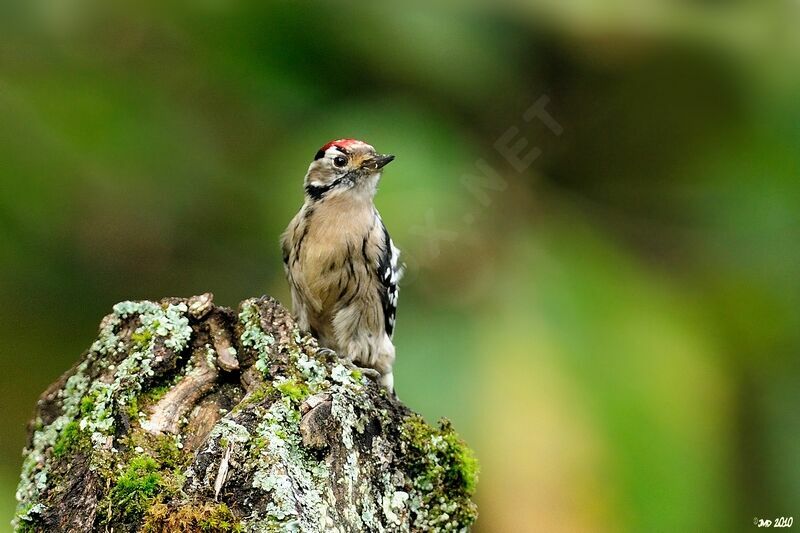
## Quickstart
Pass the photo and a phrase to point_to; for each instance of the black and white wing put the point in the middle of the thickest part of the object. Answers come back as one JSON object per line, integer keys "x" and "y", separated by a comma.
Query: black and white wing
{"x": 389, "y": 273}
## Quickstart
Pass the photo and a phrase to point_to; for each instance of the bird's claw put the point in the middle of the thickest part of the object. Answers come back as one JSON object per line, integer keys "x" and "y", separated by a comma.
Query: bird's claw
{"x": 325, "y": 352}
{"x": 371, "y": 373}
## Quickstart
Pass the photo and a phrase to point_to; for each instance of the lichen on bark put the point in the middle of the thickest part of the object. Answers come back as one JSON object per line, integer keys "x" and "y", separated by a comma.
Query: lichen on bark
{"x": 187, "y": 416}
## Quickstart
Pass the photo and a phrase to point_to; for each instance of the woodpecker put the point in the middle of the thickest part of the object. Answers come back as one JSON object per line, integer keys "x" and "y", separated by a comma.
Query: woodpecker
{"x": 340, "y": 262}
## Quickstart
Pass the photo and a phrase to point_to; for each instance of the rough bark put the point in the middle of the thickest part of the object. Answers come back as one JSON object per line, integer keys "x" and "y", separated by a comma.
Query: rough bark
{"x": 185, "y": 416}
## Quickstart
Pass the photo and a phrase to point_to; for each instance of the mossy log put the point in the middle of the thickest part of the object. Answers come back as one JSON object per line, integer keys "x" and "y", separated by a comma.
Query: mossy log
{"x": 185, "y": 416}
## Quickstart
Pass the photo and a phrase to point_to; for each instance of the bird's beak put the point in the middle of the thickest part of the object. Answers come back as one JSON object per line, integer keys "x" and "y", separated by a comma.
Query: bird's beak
{"x": 378, "y": 162}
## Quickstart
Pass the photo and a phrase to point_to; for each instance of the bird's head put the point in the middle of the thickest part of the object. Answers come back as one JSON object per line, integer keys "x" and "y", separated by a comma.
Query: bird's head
{"x": 345, "y": 167}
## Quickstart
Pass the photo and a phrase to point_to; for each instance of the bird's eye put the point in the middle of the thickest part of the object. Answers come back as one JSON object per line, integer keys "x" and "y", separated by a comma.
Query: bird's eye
{"x": 339, "y": 161}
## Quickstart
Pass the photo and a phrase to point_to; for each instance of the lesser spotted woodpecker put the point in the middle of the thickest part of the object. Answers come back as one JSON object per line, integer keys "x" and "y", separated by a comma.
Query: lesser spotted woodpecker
{"x": 341, "y": 264}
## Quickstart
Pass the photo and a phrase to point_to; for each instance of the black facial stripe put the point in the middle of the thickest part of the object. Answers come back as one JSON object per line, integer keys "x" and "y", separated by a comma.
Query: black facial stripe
{"x": 316, "y": 192}
{"x": 341, "y": 149}
{"x": 319, "y": 155}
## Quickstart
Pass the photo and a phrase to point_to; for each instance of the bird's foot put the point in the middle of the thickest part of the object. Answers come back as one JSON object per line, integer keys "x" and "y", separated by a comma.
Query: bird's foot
{"x": 326, "y": 352}
{"x": 369, "y": 372}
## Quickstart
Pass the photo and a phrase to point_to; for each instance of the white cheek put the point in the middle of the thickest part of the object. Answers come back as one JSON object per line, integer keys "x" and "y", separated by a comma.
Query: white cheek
{"x": 318, "y": 174}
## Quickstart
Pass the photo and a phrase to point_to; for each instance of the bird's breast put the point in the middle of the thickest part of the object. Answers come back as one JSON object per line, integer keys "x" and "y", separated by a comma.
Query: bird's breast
{"x": 333, "y": 256}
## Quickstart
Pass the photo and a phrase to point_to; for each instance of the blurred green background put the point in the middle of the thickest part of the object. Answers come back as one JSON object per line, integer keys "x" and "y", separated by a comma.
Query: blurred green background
{"x": 615, "y": 329}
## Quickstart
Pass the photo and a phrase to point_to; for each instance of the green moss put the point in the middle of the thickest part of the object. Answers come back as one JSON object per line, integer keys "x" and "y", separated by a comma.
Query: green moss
{"x": 464, "y": 465}
{"x": 191, "y": 518}
{"x": 444, "y": 471}
{"x": 136, "y": 487}
{"x": 133, "y": 408}
{"x": 142, "y": 338}
{"x": 145, "y": 399}
{"x": 154, "y": 394}
{"x": 444, "y": 453}
{"x": 69, "y": 439}
{"x": 260, "y": 393}
{"x": 256, "y": 397}
{"x": 164, "y": 451}
{"x": 87, "y": 405}
{"x": 257, "y": 445}
{"x": 294, "y": 390}
{"x": 169, "y": 455}
{"x": 27, "y": 519}
{"x": 25, "y": 527}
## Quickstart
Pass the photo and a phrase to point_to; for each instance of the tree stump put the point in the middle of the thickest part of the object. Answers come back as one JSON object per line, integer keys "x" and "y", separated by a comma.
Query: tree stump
{"x": 185, "y": 416}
